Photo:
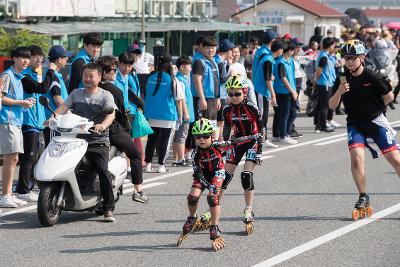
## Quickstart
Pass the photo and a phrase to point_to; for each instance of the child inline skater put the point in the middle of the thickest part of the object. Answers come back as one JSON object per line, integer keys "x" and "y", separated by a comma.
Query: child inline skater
{"x": 208, "y": 167}
{"x": 243, "y": 117}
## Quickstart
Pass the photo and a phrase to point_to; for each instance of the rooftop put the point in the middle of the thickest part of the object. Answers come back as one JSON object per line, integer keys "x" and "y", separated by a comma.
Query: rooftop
{"x": 389, "y": 12}
{"x": 312, "y": 7}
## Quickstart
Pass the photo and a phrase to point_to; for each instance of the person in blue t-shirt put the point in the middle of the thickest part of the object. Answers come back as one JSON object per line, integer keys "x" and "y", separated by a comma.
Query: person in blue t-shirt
{"x": 286, "y": 95}
{"x": 11, "y": 117}
{"x": 32, "y": 126}
{"x": 205, "y": 80}
{"x": 324, "y": 79}
{"x": 52, "y": 85}
{"x": 92, "y": 43}
{"x": 163, "y": 109}
{"x": 184, "y": 65}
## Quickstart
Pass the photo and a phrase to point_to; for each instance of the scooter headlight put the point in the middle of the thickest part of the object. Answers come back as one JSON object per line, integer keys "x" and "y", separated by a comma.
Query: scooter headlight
{"x": 57, "y": 149}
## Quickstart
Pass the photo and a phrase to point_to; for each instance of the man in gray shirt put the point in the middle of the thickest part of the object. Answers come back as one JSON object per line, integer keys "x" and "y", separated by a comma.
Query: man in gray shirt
{"x": 88, "y": 102}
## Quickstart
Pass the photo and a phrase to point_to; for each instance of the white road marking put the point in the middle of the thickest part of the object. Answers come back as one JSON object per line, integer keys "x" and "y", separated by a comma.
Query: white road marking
{"x": 331, "y": 141}
{"x": 328, "y": 237}
{"x": 33, "y": 207}
{"x": 130, "y": 190}
{"x": 11, "y": 212}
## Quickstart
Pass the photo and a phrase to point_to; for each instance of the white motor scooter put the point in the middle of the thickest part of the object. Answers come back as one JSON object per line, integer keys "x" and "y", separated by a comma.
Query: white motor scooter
{"x": 65, "y": 177}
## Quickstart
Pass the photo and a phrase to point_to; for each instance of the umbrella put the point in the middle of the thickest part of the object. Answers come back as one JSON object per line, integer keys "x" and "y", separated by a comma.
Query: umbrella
{"x": 393, "y": 25}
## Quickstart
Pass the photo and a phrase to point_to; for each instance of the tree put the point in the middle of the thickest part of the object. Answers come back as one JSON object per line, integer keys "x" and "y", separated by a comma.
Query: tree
{"x": 22, "y": 38}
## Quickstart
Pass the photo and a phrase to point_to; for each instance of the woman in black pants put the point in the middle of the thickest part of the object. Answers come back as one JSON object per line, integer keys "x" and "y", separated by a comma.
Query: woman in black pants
{"x": 163, "y": 108}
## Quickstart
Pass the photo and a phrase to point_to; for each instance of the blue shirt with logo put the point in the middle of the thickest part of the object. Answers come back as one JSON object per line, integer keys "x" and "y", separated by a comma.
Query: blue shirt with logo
{"x": 34, "y": 116}
{"x": 188, "y": 95}
{"x": 160, "y": 104}
{"x": 13, "y": 114}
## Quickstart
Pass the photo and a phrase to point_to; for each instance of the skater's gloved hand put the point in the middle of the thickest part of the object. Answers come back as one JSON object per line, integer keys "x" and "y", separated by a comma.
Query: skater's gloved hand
{"x": 259, "y": 159}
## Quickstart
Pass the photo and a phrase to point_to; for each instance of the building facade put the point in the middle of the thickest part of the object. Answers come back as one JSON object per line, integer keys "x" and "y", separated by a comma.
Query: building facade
{"x": 292, "y": 16}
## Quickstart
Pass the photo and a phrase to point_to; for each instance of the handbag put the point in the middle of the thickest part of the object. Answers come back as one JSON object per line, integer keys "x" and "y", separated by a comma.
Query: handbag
{"x": 140, "y": 126}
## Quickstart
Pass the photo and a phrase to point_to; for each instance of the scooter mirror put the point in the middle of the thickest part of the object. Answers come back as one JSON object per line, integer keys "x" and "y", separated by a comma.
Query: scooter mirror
{"x": 44, "y": 101}
{"x": 107, "y": 110}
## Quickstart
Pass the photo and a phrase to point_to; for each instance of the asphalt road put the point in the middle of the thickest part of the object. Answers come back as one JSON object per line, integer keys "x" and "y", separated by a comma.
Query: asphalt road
{"x": 304, "y": 198}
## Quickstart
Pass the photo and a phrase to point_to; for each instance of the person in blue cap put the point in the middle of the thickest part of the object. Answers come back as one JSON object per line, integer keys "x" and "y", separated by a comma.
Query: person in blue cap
{"x": 222, "y": 59}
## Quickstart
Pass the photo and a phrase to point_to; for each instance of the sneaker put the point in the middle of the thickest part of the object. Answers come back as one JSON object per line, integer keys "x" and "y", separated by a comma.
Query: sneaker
{"x": 162, "y": 169}
{"x": 317, "y": 130}
{"x": 18, "y": 201}
{"x": 108, "y": 216}
{"x": 7, "y": 201}
{"x": 30, "y": 197}
{"x": 140, "y": 197}
{"x": 295, "y": 134}
{"x": 269, "y": 144}
{"x": 391, "y": 105}
{"x": 340, "y": 112}
{"x": 275, "y": 139}
{"x": 180, "y": 163}
{"x": 333, "y": 124}
{"x": 328, "y": 130}
{"x": 148, "y": 167}
{"x": 287, "y": 140}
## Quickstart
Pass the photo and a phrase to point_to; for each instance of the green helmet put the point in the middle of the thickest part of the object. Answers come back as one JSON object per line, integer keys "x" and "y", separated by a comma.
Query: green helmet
{"x": 203, "y": 127}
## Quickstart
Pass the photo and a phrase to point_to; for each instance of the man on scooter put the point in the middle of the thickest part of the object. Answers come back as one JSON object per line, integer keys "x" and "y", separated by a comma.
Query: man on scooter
{"x": 89, "y": 102}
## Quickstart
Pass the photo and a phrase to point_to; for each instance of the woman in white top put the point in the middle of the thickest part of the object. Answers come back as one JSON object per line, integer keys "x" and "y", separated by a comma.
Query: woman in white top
{"x": 238, "y": 68}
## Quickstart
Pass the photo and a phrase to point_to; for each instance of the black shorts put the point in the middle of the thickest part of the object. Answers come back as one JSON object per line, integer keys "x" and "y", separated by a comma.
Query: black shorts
{"x": 220, "y": 115}
{"x": 211, "y": 111}
{"x": 235, "y": 155}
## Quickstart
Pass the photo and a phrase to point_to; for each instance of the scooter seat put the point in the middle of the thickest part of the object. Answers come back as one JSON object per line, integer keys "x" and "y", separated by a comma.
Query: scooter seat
{"x": 113, "y": 152}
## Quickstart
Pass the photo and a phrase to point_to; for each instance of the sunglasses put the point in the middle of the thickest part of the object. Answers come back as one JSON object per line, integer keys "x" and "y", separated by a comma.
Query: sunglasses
{"x": 206, "y": 136}
{"x": 351, "y": 58}
{"x": 234, "y": 94}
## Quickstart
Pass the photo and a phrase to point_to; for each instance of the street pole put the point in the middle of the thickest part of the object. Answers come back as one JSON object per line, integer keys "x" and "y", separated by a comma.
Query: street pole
{"x": 255, "y": 12}
{"x": 142, "y": 37}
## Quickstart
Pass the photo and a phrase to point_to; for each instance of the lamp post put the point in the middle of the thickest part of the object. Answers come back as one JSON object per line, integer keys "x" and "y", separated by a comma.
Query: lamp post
{"x": 142, "y": 37}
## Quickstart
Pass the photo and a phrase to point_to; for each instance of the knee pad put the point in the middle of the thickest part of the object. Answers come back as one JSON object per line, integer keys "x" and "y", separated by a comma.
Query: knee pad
{"x": 213, "y": 200}
{"x": 192, "y": 200}
{"x": 227, "y": 180}
{"x": 247, "y": 180}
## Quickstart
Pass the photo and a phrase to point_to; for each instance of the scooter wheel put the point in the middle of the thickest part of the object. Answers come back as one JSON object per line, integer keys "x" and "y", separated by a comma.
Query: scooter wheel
{"x": 47, "y": 209}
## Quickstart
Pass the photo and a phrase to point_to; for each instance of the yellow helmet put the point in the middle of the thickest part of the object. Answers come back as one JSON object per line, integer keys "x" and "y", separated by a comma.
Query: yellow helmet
{"x": 237, "y": 81}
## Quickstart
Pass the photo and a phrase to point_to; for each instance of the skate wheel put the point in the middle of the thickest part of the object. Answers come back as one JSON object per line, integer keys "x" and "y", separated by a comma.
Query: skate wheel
{"x": 249, "y": 228}
{"x": 201, "y": 225}
{"x": 355, "y": 215}
{"x": 180, "y": 239}
{"x": 218, "y": 243}
{"x": 369, "y": 211}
